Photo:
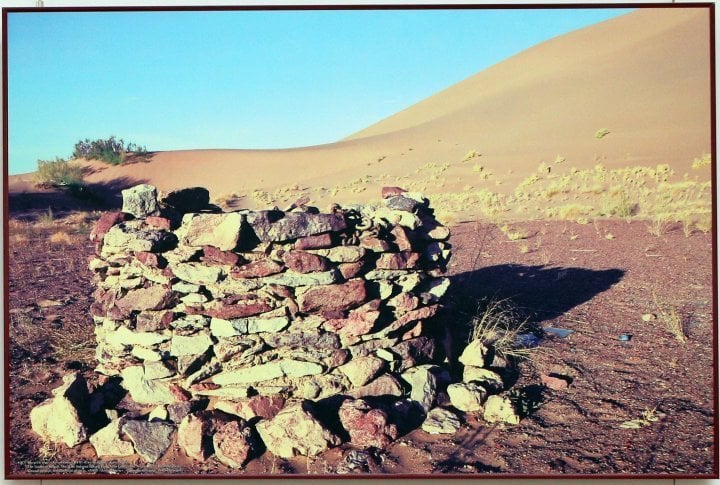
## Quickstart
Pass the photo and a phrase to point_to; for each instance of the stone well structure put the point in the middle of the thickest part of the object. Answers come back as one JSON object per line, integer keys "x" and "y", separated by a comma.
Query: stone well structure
{"x": 192, "y": 302}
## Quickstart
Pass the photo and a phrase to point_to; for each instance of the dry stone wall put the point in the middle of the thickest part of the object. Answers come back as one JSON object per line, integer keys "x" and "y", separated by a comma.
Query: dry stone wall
{"x": 194, "y": 303}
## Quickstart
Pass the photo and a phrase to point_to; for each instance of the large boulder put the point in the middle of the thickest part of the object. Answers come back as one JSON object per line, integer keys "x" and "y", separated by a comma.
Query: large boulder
{"x": 334, "y": 297}
{"x": 140, "y": 201}
{"x": 500, "y": 409}
{"x": 60, "y": 419}
{"x": 423, "y": 385}
{"x": 107, "y": 441}
{"x": 192, "y": 199}
{"x": 295, "y": 431}
{"x": 195, "y": 433}
{"x": 441, "y": 421}
{"x": 219, "y": 230}
{"x": 467, "y": 397}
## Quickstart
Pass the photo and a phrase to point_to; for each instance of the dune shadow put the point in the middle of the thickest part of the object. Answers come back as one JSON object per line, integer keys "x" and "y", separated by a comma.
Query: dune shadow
{"x": 91, "y": 196}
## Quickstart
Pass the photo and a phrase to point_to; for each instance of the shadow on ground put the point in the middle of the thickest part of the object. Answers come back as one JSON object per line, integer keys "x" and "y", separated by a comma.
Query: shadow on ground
{"x": 97, "y": 196}
{"x": 537, "y": 292}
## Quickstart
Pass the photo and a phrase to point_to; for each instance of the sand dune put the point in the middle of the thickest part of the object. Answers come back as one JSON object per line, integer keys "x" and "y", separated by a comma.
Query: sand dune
{"x": 644, "y": 76}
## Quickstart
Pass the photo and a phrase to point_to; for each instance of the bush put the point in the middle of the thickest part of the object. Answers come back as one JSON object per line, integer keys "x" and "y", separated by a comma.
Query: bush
{"x": 58, "y": 173}
{"x": 111, "y": 150}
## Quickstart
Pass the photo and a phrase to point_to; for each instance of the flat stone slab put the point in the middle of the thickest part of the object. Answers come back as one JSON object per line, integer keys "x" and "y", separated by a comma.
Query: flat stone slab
{"x": 151, "y": 439}
{"x": 278, "y": 226}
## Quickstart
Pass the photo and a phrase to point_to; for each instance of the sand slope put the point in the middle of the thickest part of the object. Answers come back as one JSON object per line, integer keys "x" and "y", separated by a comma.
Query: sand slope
{"x": 644, "y": 76}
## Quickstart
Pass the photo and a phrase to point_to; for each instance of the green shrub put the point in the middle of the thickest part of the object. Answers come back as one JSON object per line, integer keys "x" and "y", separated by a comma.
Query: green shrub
{"x": 113, "y": 151}
{"x": 58, "y": 173}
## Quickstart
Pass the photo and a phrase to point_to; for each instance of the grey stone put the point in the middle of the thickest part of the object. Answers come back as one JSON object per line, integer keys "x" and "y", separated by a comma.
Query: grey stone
{"x": 124, "y": 336}
{"x": 292, "y": 279}
{"x": 197, "y": 273}
{"x": 342, "y": 254}
{"x": 144, "y": 390}
{"x": 140, "y": 201}
{"x": 401, "y": 203}
{"x": 277, "y": 226}
{"x": 467, "y": 397}
{"x": 151, "y": 440}
{"x": 490, "y": 380}
{"x": 423, "y": 384}
{"x": 500, "y": 409}
{"x": 191, "y": 199}
{"x": 441, "y": 421}
{"x": 190, "y": 345}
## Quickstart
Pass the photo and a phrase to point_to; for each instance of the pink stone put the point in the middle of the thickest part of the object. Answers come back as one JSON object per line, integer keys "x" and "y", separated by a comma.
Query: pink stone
{"x": 257, "y": 269}
{"x": 334, "y": 297}
{"x": 211, "y": 254}
{"x": 366, "y": 426}
{"x": 106, "y": 221}
{"x": 152, "y": 260}
{"x": 351, "y": 270}
{"x": 234, "y": 443}
{"x": 318, "y": 241}
{"x": 388, "y": 192}
{"x": 403, "y": 260}
{"x": 402, "y": 238}
{"x": 373, "y": 243}
{"x": 304, "y": 262}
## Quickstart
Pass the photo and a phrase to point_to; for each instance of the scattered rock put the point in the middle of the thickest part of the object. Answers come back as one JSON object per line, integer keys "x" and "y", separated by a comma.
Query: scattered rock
{"x": 367, "y": 427}
{"x": 151, "y": 440}
{"x": 556, "y": 382}
{"x": 500, "y": 409}
{"x": 59, "y": 419}
{"x": 295, "y": 431}
{"x": 401, "y": 203}
{"x": 388, "y": 192}
{"x": 441, "y": 421}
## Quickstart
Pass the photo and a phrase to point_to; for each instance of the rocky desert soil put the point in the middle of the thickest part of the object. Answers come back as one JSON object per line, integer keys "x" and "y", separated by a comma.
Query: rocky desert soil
{"x": 621, "y": 394}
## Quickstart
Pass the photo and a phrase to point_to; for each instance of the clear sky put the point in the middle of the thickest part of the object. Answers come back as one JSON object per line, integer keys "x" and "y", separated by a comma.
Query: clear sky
{"x": 244, "y": 79}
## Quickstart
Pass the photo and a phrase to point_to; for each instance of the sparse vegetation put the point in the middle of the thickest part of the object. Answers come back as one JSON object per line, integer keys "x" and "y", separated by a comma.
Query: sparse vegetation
{"x": 111, "y": 150}
{"x": 498, "y": 323}
{"x": 58, "y": 173}
{"x": 670, "y": 316}
{"x": 602, "y": 133}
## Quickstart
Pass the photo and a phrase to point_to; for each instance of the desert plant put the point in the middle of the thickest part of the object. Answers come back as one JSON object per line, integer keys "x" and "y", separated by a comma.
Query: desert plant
{"x": 602, "y": 133}
{"x": 670, "y": 316}
{"x": 111, "y": 150}
{"x": 58, "y": 173}
{"x": 60, "y": 237}
{"x": 659, "y": 225}
{"x": 499, "y": 324}
{"x": 704, "y": 161}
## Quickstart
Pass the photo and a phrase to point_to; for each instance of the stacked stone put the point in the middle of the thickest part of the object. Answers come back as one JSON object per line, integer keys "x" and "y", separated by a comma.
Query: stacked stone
{"x": 194, "y": 303}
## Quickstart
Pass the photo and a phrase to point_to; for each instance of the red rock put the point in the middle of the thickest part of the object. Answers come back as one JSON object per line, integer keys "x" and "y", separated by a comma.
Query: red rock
{"x": 155, "y": 297}
{"x": 211, "y": 254}
{"x": 402, "y": 238}
{"x": 304, "y": 262}
{"x": 373, "y": 243}
{"x": 159, "y": 222}
{"x": 415, "y": 331}
{"x": 351, "y": 270}
{"x": 257, "y": 406}
{"x": 204, "y": 386}
{"x": 318, "y": 241}
{"x": 366, "y": 426}
{"x": 152, "y": 260}
{"x": 403, "y": 260}
{"x": 415, "y": 351}
{"x": 106, "y": 221}
{"x": 555, "y": 382}
{"x": 234, "y": 443}
{"x": 403, "y": 303}
{"x": 257, "y": 269}
{"x": 388, "y": 192}
{"x": 180, "y": 393}
{"x": 334, "y": 297}
{"x": 194, "y": 435}
{"x": 412, "y": 316}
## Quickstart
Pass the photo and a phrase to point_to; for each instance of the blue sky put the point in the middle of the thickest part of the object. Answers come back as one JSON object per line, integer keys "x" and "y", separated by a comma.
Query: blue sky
{"x": 244, "y": 79}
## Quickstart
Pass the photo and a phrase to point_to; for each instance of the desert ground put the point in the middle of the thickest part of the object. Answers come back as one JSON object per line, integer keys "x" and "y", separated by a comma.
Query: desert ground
{"x": 576, "y": 180}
